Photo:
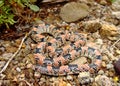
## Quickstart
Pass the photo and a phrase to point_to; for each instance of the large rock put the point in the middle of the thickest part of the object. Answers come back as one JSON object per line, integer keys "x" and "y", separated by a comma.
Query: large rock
{"x": 74, "y": 11}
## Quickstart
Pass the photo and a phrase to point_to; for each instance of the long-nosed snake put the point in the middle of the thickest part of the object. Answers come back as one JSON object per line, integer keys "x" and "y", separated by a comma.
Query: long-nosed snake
{"x": 53, "y": 55}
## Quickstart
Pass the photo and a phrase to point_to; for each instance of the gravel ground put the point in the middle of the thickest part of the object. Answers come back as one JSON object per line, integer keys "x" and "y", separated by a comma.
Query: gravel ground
{"x": 102, "y": 30}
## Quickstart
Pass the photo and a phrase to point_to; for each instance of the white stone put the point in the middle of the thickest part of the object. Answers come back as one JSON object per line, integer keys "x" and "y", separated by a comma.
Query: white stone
{"x": 18, "y": 69}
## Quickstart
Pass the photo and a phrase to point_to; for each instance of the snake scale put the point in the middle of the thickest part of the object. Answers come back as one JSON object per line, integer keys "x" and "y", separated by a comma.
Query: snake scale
{"x": 54, "y": 55}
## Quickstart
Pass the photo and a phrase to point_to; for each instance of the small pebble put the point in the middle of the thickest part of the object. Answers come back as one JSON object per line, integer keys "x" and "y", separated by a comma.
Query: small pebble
{"x": 118, "y": 52}
{"x": 52, "y": 79}
{"x": 2, "y": 49}
{"x": 62, "y": 83}
{"x": 111, "y": 73}
{"x": 22, "y": 76}
{"x": 22, "y": 83}
{"x": 83, "y": 74}
{"x": 69, "y": 77}
{"x": 112, "y": 58}
{"x": 109, "y": 66}
{"x": 92, "y": 79}
{"x": 116, "y": 14}
{"x": 103, "y": 64}
{"x": 37, "y": 74}
{"x": 2, "y": 76}
{"x": 107, "y": 73}
{"x": 99, "y": 41}
{"x": 43, "y": 80}
{"x": 7, "y": 55}
{"x": 84, "y": 77}
{"x": 68, "y": 84}
{"x": 29, "y": 65}
{"x": 11, "y": 49}
{"x": 97, "y": 78}
{"x": 15, "y": 62}
{"x": 103, "y": 2}
{"x": 101, "y": 72}
{"x": 18, "y": 69}
{"x": 105, "y": 58}
{"x": 2, "y": 63}
{"x": 56, "y": 82}
{"x": 103, "y": 80}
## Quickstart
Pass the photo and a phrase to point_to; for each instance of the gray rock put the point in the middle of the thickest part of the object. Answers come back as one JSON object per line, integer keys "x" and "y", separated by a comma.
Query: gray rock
{"x": 74, "y": 11}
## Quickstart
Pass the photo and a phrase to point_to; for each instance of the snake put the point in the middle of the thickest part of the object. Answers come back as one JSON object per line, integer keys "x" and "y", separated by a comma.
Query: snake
{"x": 55, "y": 51}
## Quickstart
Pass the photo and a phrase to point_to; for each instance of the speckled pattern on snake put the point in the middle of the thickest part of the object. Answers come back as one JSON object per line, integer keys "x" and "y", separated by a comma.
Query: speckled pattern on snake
{"x": 53, "y": 55}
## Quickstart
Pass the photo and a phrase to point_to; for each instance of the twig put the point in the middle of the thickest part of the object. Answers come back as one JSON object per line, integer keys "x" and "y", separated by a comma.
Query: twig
{"x": 6, "y": 65}
{"x": 115, "y": 43}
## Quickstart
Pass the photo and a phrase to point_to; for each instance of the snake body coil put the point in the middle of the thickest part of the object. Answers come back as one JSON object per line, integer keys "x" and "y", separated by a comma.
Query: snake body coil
{"x": 54, "y": 55}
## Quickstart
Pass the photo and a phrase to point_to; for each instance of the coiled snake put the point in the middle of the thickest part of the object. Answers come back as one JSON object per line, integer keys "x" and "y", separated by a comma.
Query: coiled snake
{"x": 54, "y": 55}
